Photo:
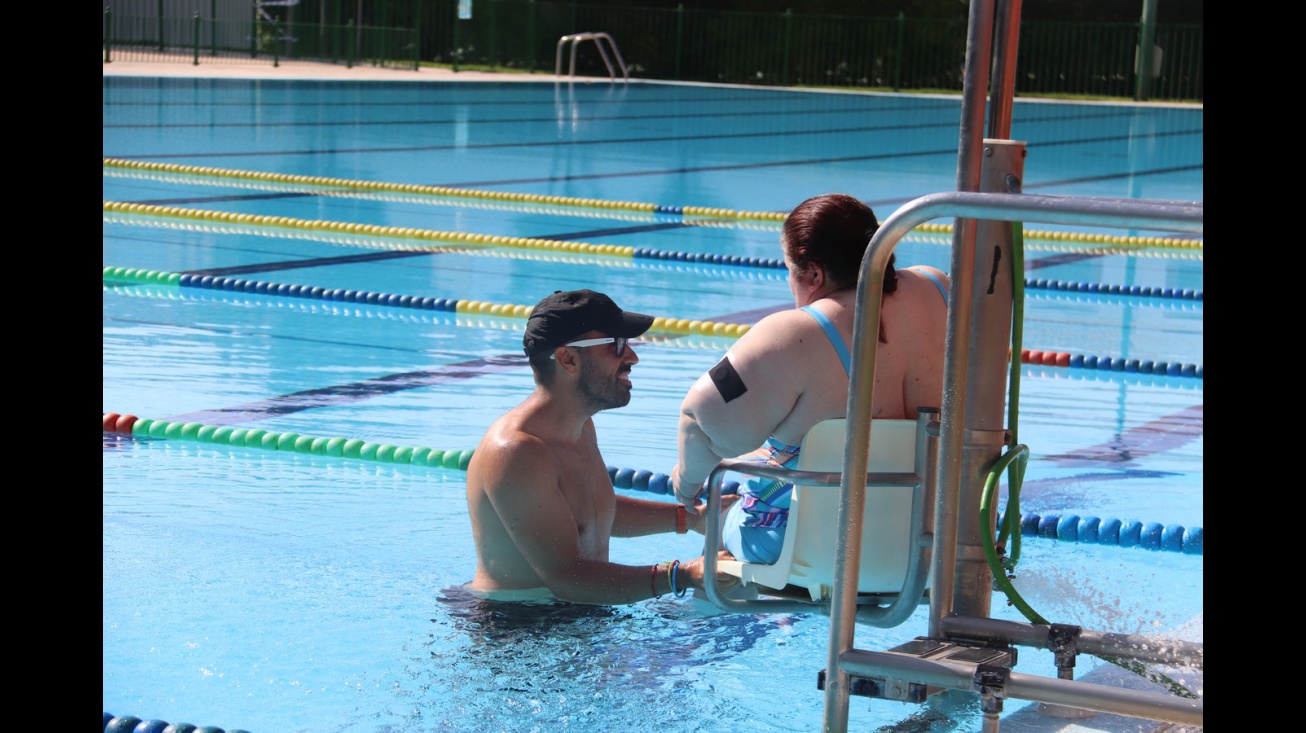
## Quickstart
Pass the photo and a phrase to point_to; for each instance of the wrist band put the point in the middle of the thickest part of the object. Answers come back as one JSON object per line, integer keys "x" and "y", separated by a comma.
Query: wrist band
{"x": 653, "y": 582}
{"x": 682, "y": 519}
{"x": 678, "y": 592}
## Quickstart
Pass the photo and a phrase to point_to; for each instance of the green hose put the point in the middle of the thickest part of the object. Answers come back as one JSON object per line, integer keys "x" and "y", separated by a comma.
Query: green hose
{"x": 1014, "y": 462}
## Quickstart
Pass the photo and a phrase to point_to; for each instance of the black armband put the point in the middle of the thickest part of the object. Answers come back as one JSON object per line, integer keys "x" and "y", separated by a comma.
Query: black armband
{"x": 726, "y": 379}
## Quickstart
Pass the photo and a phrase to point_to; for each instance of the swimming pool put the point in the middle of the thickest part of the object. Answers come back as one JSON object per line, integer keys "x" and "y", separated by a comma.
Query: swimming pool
{"x": 271, "y": 586}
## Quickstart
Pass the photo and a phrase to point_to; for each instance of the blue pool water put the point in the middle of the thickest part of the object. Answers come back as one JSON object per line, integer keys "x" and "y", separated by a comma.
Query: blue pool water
{"x": 281, "y": 591}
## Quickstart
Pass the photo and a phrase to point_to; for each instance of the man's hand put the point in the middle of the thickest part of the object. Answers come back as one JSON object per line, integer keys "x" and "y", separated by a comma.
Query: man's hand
{"x": 698, "y": 522}
{"x": 692, "y": 572}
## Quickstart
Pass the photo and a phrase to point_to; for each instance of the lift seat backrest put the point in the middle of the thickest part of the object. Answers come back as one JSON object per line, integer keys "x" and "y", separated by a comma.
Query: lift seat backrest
{"x": 807, "y": 556}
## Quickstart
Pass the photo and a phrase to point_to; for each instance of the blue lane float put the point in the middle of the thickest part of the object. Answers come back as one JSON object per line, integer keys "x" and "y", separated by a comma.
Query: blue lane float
{"x": 132, "y": 724}
{"x": 1142, "y": 291}
{"x": 1097, "y": 531}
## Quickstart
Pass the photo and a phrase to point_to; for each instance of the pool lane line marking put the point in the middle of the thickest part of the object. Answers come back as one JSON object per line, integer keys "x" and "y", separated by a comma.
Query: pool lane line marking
{"x": 553, "y": 118}
{"x": 456, "y": 192}
{"x": 366, "y": 389}
{"x": 558, "y": 144}
{"x": 950, "y": 109}
{"x": 1155, "y": 436}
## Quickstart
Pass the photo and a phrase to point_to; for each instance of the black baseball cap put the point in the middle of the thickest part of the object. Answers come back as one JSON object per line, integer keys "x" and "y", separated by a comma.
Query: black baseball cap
{"x": 563, "y": 316}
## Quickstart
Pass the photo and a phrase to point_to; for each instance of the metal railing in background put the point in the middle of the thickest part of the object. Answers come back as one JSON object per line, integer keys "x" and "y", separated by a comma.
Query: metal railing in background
{"x": 769, "y": 49}
{"x": 199, "y": 39}
{"x": 598, "y": 39}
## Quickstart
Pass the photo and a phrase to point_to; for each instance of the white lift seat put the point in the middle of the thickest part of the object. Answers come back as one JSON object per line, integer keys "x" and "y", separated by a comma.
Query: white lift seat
{"x": 807, "y": 557}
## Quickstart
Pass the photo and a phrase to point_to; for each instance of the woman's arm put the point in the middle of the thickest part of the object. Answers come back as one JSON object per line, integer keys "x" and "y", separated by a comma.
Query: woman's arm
{"x": 730, "y": 410}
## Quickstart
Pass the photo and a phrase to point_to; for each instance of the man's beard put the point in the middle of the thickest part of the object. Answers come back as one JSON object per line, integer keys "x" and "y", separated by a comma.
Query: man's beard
{"x": 601, "y": 391}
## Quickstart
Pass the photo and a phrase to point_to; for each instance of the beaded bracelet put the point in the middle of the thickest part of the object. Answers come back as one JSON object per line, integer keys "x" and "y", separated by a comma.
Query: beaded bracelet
{"x": 653, "y": 582}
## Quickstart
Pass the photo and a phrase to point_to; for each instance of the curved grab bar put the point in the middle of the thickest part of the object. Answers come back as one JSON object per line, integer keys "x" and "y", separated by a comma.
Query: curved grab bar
{"x": 598, "y": 39}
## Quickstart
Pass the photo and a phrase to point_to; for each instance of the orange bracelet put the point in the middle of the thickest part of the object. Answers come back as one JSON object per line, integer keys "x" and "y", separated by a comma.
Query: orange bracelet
{"x": 682, "y": 519}
{"x": 653, "y": 582}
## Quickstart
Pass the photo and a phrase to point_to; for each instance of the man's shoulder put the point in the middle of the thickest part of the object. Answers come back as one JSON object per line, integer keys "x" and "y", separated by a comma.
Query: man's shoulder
{"x": 508, "y": 437}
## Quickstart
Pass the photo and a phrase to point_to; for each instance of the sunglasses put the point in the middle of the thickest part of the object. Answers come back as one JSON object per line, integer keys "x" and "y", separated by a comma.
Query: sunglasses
{"x": 620, "y": 342}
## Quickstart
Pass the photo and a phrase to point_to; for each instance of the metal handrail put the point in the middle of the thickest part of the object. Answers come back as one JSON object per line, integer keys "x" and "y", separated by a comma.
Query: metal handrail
{"x": 598, "y": 39}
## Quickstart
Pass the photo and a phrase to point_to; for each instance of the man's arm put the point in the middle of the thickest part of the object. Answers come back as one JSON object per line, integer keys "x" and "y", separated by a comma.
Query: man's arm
{"x": 639, "y": 517}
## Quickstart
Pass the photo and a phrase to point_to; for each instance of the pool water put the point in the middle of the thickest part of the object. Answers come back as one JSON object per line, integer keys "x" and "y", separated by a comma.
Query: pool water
{"x": 278, "y": 590}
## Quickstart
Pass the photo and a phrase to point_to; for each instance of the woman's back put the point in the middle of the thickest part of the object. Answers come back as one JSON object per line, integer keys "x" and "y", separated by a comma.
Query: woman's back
{"x": 908, "y": 362}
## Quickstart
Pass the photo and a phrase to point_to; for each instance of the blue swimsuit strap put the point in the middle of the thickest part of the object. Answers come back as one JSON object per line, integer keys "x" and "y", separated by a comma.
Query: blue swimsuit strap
{"x": 942, "y": 291}
{"x": 833, "y": 334}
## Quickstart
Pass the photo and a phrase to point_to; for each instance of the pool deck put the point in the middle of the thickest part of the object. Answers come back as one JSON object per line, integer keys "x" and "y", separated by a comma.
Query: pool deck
{"x": 220, "y": 69}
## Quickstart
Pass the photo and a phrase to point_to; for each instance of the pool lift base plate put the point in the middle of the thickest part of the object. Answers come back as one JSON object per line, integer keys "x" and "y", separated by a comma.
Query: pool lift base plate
{"x": 924, "y": 648}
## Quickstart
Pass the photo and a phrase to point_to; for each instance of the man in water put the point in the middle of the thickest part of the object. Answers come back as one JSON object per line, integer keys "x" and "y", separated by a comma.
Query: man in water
{"x": 541, "y": 501}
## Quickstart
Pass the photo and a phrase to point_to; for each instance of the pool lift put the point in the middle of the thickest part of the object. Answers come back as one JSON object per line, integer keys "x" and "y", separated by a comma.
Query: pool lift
{"x": 947, "y": 558}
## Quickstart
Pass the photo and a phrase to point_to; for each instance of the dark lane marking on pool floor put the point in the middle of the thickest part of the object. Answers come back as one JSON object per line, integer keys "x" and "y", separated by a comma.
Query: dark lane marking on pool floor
{"x": 355, "y": 392}
{"x": 768, "y": 114}
{"x": 951, "y": 151}
{"x": 300, "y": 264}
{"x": 1163, "y": 434}
{"x": 241, "y": 333}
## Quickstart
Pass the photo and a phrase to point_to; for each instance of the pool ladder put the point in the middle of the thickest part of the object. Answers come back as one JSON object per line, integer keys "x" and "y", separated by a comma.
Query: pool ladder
{"x": 599, "y": 39}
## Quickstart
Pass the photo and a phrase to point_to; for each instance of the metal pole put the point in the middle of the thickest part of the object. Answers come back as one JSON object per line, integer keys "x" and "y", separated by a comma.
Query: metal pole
{"x": 680, "y": 36}
{"x": 108, "y": 34}
{"x": 897, "y": 57}
{"x": 195, "y": 40}
{"x": 349, "y": 56}
{"x": 1007, "y": 38}
{"x": 956, "y": 367}
{"x": 417, "y": 37}
{"x": 1146, "y": 47}
{"x": 533, "y": 45}
{"x": 789, "y": 42}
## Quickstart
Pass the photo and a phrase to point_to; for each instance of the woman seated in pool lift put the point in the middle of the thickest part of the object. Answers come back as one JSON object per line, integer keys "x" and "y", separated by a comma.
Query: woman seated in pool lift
{"x": 790, "y": 371}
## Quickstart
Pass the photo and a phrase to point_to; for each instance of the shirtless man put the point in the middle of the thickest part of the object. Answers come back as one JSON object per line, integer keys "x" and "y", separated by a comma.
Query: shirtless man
{"x": 542, "y": 504}
{"x": 790, "y": 371}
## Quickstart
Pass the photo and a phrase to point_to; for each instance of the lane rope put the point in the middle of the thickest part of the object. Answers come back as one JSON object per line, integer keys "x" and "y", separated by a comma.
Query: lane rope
{"x": 661, "y": 325}
{"x": 347, "y": 185}
{"x": 1068, "y": 528}
{"x": 373, "y": 236}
